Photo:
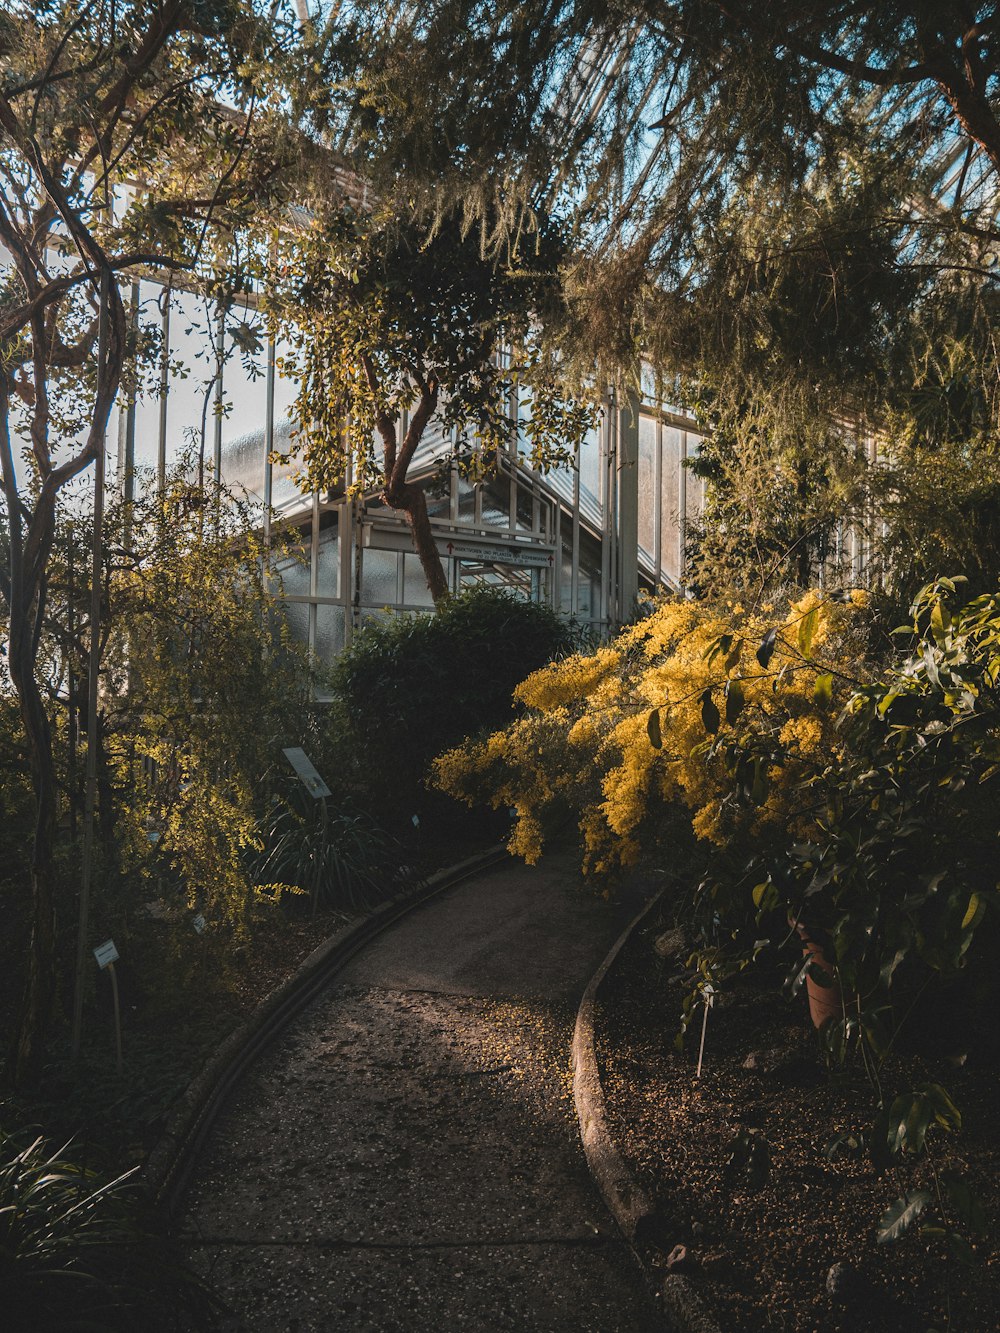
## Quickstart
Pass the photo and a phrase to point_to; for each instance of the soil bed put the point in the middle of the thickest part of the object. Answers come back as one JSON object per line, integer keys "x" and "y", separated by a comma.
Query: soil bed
{"x": 767, "y": 1256}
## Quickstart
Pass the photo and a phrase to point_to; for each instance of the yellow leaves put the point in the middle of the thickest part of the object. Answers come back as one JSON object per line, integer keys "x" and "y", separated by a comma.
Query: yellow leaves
{"x": 803, "y": 733}
{"x": 568, "y": 681}
{"x": 585, "y": 740}
{"x": 526, "y": 839}
{"x": 707, "y": 822}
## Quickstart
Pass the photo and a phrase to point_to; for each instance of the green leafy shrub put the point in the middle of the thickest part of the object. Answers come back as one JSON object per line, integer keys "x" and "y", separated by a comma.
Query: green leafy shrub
{"x": 75, "y": 1253}
{"x": 899, "y": 868}
{"x": 408, "y": 688}
{"x": 341, "y": 860}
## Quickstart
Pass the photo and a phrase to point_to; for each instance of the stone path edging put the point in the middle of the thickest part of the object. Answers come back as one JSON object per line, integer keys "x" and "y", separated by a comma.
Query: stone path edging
{"x": 626, "y": 1200}
{"x": 168, "y": 1167}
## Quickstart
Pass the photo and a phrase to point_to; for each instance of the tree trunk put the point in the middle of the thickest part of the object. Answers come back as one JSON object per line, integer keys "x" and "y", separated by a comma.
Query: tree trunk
{"x": 40, "y": 982}
{"x": 404, "y": 495}
{"x": 410, "y": 499}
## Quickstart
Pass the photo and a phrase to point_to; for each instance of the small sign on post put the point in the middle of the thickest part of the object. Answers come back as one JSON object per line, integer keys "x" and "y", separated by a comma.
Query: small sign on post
{"x": 307, "y": 774}
{"x": 107, "y": 955}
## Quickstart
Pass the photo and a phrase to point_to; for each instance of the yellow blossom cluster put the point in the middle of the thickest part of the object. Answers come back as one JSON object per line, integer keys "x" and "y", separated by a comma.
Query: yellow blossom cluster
{"x": 726, "y": 713}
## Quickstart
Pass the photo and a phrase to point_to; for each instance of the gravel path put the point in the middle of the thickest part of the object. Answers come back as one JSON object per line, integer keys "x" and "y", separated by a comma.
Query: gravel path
{"x": 407, "y": 1158}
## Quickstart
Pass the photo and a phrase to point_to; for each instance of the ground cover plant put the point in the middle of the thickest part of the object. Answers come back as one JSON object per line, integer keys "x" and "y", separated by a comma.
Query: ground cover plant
{"x": 75, "y": 1254}
{"x": 754, "y": 1167}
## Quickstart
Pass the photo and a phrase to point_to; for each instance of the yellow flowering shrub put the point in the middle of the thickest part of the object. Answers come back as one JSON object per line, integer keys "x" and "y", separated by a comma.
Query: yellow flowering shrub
{"x": 725, "y": 713}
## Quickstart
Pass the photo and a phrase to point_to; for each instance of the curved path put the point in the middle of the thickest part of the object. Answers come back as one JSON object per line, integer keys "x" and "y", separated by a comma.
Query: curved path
{"x": 407, "y": 1157}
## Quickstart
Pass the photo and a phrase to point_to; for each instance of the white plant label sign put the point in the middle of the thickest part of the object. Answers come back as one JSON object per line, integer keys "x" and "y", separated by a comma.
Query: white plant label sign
{"x": 106, "y": 954}
{"x": 307, "y": 774}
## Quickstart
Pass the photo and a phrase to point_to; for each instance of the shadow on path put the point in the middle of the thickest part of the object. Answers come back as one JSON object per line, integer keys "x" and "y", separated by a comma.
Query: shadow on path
{"x": 407, "y": 1158}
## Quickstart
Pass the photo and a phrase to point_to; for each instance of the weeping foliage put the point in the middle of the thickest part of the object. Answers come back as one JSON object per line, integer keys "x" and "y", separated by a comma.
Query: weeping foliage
{"x": 381, "y": 309}
{"x": 196, "y": 645}
{"x": 788, "y": 210}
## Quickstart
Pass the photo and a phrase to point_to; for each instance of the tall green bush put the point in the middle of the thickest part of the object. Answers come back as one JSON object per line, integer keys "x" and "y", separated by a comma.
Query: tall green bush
{"x": 408, "y": 688}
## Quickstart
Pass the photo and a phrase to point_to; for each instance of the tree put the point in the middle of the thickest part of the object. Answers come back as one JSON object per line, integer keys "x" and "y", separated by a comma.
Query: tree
{"x": 393, "y": 314}
{"x": 114, "y": 160}
{"x": 789, "y": 208}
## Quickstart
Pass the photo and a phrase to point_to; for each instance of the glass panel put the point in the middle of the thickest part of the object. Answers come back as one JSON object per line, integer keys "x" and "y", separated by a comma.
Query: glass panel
{"x": 329, "y": 633}
{"x": 434, "y": 443}
{"x": 244, "y": 380}
{"x": 590, "y": 466}
{"x": 495, "y": 514}
{"x": 647, "y": 483}
{"x": 415, "y": 589}
{"x": 328, "y": 564}
{"x": 378, "y": 577}
{"x": 190, "y": 398}
{"x": 283, "y": 489}
{"x": 524, "y": 397}
{"x": 466, "y": 501}
{"x": 439, "y": 506}
{"x": 147, "y": 403}
{"x": 670, "y": 499}
{"x": 297, "y": 615}
{"x": 695, "y": 485}
{"x": 566, "y": 584}
{"x": 524, "y": 510}
{"x": 295, "y": 577}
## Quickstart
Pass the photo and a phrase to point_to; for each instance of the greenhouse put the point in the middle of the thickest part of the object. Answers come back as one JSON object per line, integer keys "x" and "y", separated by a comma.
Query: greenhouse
{"x": 582, "y": 539}
{"x": 499, "y": 666}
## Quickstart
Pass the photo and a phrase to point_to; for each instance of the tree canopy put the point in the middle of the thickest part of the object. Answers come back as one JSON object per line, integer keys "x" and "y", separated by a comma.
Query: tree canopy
{"x": 400, "y": 320}
{"x": 788, "y": 210}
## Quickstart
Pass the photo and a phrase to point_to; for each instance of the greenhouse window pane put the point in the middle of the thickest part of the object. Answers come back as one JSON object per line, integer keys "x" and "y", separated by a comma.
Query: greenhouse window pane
{"x": 283, "y": 489}
{"x": 328, "y": 565}
{"x": 244, "y": 382}
{"x": 695, "y": 485}
{"x": 647, "y": 483}
{"x": 295, "y": 577}
{"x": 378, "y": 577}
{"x": 590, "y": 466}
{"x": 329, "y": 632}
{"x": 191, "y": 392}
{"x": 297, "y": 617}
{"x": 670, "y": 503}
{"x": 415, "y": 589}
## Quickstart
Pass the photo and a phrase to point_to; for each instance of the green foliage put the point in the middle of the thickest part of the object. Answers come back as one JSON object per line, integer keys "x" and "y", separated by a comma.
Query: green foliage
{"x": 898, "y": 868}
{"x": 341, "y": 860}
{"x": 407, "y": 688}
{"x": 780, "y": 485}
{"x": 75, "y": 1252}
{"x": 395, "y": 321}
{"x": 937, "y": 506}
{"x": 903, "y": 1128}
{"x": 192, "y": 654}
